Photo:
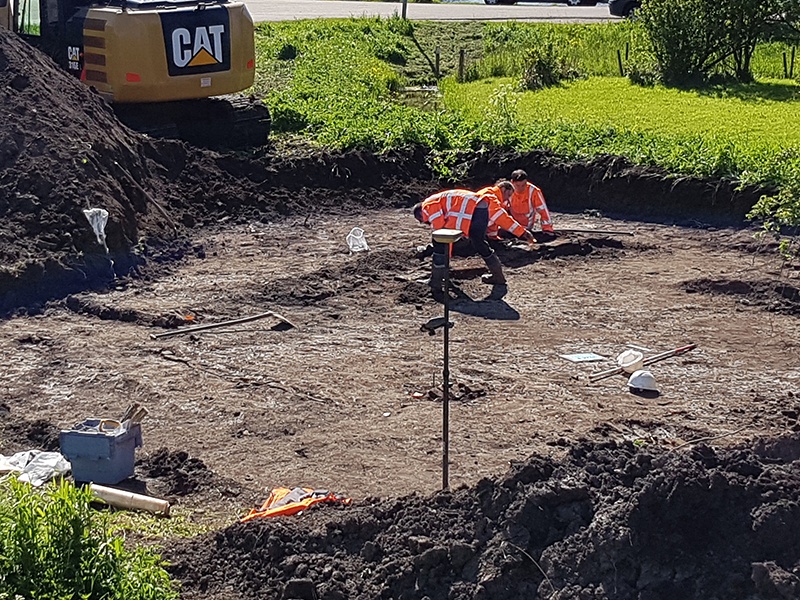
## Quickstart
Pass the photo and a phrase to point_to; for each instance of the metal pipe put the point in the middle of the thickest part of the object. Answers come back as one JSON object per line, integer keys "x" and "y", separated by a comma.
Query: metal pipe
{"x": 446, "y": 376}
{"x": 222, "y": 324}
{"x": 597, "y": 231}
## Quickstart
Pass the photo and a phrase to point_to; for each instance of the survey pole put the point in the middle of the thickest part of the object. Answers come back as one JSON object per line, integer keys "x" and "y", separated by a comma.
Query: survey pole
{"x": 448, "y": 237}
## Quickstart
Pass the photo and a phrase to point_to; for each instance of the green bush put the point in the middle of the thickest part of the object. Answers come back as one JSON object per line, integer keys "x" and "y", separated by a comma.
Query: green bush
{"x": 686, "y": 36}
{"x": 696, "y": 40}
{"x": 54, "y": 546}
{"x": 546, "y": 66}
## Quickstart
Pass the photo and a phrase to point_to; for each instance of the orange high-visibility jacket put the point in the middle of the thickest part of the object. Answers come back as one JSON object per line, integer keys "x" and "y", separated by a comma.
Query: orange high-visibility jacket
{"x": 527, "y": 204}
{"x": 451, "y": 208}
{"x": 498, "y": 217}
{"x": 284, "y": 501}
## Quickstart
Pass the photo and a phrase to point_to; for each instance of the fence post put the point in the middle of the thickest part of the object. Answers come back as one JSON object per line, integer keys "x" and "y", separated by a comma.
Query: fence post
{"x": 405, "y": 9}
{"x": 791, "y": 63}
{"x": 437, "y": 53}
{"x": 462, "y": 58}
{"x": 619, "y": 62}
{"x": 627, "y": 51}
{"x": 785, "y": 67}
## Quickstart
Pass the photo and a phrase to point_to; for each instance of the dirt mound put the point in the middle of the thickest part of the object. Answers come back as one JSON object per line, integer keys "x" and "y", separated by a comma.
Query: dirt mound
{"x": 776, "y": 296}
{"x": 20, "y": 434}
{"x": 175, "y": 473}
{"x": 610, "y": 520}
{"x": 62, "y": 151}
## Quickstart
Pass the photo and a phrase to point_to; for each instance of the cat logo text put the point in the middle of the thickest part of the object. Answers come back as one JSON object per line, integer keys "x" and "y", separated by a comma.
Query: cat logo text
{"x": 200, "y": 47}
{"x": 197, "y": 41}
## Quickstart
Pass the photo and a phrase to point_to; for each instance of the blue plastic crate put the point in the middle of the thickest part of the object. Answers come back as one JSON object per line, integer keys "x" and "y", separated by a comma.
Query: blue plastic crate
{"x": 99, "y": 454}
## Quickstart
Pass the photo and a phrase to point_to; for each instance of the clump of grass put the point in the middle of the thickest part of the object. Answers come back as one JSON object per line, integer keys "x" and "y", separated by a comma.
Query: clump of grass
{"x": 53, "y": 546}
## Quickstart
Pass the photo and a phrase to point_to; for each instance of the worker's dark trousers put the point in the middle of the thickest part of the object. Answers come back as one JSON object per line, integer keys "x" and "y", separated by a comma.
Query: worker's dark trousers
{"x": 477, "y": 238}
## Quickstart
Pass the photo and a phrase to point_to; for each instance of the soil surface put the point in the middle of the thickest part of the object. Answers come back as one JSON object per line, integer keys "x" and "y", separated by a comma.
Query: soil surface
{"x": 561, "y": 488}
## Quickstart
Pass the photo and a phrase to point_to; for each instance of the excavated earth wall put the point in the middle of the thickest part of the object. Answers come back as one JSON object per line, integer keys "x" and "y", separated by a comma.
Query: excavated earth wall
{"x": 62, "y": 151}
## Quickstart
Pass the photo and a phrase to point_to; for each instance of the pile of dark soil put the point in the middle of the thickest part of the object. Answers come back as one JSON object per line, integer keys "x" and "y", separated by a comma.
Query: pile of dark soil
{"x": 62, "y": 150}
{"x": 610, "y": 520}
{"x": 18, "y": 434}
{"x": 776, "y": 296}
{"x": 176, "y": 474}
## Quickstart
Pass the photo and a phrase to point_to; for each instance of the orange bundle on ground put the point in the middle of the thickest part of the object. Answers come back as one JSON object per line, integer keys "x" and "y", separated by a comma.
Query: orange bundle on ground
{"x": 284, "y": 501}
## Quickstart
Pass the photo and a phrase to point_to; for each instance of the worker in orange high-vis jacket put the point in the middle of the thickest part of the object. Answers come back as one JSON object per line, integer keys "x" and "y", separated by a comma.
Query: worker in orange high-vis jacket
{"x": 466, "y": 211}
{"x": 527, "y": 204}
{"x": 498, "y": 196}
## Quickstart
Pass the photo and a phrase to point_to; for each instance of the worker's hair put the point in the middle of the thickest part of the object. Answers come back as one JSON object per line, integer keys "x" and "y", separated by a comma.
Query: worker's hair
{"x": 417, "y": 210}
{"x": 519, "y": 175}
{"x": 504, "y": 184}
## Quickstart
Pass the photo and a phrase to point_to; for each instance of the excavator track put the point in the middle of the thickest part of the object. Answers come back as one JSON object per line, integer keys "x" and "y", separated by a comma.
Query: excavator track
{"x": 221, "y": 123}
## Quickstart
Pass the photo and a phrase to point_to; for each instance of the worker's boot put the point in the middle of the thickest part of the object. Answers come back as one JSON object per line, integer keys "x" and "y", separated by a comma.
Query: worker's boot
{"x": 495, "y": 276}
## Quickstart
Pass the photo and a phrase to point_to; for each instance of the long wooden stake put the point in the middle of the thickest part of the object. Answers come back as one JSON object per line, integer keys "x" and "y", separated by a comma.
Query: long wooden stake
{"x": 594, "y": 377}
{"x": 221, "y": 324}
{"x": 598, "y": 231}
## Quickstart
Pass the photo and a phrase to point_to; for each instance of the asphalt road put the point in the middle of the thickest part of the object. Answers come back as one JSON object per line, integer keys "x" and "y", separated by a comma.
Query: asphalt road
{"x": 289, "y": 10}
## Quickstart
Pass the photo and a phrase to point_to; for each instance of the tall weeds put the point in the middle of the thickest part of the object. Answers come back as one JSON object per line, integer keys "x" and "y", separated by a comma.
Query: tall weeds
{"x": 53, "y": 545}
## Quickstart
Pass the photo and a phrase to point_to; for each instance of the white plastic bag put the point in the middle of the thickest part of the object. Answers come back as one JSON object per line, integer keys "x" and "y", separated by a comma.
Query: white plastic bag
{"x": 34, "y": 466}
{"x": 98, "y": 217}
{"x": 356, "y": 241}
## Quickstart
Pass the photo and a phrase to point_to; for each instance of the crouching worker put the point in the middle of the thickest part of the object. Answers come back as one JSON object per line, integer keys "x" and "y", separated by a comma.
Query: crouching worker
{"x": 497, "y": 196}
{"x": 527, "y": 204}
{"x": 466, "y": 211}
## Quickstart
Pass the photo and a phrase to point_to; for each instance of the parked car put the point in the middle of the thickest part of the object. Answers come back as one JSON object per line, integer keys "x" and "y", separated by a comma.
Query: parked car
{"x": 623, "y": 8}
{"x": 570, "y": 2}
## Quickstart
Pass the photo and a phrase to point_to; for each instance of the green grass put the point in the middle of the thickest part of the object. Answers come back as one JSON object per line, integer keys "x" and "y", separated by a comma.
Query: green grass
{"x": 741, "y": 133}
{"x": 153, "y": 528}
{"x": 339, "y": 83}
{"x": 54, "y": 545}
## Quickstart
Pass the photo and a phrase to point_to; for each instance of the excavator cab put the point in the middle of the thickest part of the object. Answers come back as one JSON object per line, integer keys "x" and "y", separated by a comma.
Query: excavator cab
{"x": 163, "y": 64}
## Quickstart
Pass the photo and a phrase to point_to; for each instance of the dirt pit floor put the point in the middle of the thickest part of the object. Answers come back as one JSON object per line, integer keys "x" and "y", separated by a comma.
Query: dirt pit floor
{"x": 350, "y": 400}
{"x": 561, "y": 489}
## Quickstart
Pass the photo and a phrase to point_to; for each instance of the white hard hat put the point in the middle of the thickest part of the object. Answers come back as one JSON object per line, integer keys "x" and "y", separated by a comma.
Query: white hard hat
{"x": 630, "y": 361}
{"x": 642, "y": 380}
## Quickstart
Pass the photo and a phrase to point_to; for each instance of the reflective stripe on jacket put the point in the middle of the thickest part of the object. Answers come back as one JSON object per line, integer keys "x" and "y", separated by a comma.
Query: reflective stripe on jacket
{"x": 526, "y": 205}
{"x": 452, "y": 209}
{"x": 498, "y": 216}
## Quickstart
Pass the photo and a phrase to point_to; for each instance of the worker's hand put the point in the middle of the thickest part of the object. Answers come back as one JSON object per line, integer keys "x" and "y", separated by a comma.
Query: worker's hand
{"x": 528, "y": 237}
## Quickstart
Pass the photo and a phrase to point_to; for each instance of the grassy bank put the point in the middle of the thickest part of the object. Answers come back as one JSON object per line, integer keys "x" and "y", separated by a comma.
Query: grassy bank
{"x": 340, "y": 83}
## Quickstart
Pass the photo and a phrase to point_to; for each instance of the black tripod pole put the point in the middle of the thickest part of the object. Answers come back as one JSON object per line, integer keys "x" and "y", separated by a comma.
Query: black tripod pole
{"x": 446, "y": 377}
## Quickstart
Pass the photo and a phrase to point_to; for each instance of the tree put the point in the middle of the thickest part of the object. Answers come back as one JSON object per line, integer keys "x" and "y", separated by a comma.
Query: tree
{"x": 685, "y": 36}
{"x": 694, "y": 39}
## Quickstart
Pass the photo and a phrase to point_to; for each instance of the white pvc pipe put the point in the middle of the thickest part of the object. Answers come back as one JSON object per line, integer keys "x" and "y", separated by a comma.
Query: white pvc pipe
{"x": 125, "y": 499}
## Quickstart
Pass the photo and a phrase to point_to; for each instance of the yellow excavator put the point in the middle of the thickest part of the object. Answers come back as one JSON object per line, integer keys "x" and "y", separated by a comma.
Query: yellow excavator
{"x": 170, "y": 68}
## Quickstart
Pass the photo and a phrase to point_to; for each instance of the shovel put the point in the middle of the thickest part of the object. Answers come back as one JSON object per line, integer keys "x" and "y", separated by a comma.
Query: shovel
{"x": 594, "y": 377}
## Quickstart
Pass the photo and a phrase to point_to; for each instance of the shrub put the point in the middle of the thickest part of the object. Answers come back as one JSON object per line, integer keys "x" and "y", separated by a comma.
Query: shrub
{"x": 686, "y": 37}
{"x": 54, "y": 546}
{"x": 546, "y": 66}
{"x": 694, "y": 40}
